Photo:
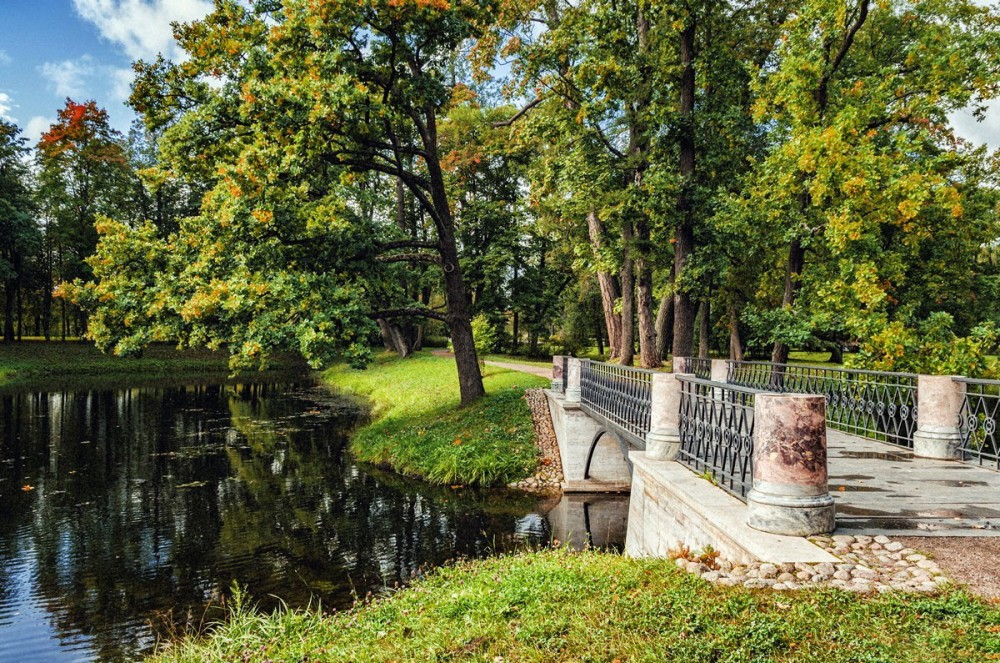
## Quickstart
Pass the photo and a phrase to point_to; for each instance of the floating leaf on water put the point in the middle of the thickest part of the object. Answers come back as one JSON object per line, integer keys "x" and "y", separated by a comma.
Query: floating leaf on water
{"x": 26, "y": 488}
{"x": 193, "y": 484}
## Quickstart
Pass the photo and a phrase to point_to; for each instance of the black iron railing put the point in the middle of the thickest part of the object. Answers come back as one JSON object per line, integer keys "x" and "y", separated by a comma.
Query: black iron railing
{"x": 978, "y": 422}
{"x": 873, "y": 404}
{"x": 716, "y": 425}
{"x": 619, "y": 396}
{"x": 700, "y": 367}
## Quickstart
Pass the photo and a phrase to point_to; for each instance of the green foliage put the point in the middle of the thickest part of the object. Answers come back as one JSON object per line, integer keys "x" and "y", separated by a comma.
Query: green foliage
{"x": 563, "y": 606}
{"x": 418, "y": 429}
{"x": 484, "y": 334}
{"x": 932, "y": 347}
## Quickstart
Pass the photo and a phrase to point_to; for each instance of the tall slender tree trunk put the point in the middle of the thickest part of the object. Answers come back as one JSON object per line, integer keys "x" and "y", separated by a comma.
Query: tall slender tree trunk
{"x": 793, "y": 272}
{"x": 665, "y": 323}
{"x": 704, "y": 327}
{"x": 599, "y": 336}
{"x": 609, "y": 289}
{"x": 735, "y": 341}
{"x": 8, "y": 310}
{"x": 639, "y": 142}
{"x": 626, "y": 350}
{"x": 684, "y": 232}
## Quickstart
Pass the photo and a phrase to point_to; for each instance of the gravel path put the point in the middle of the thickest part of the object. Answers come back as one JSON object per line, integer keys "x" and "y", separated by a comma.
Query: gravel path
{"x": 969, "y": 561}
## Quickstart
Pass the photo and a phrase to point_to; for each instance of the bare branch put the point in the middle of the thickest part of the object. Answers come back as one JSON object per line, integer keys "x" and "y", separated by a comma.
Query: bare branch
{"x": 519, "y": 114}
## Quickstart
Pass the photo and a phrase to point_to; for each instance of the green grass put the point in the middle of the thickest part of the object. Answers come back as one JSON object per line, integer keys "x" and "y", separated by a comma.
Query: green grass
{"x": 418, "y": 429}
{"x": 37, "y": 361}
{"x": 563, "y": 606}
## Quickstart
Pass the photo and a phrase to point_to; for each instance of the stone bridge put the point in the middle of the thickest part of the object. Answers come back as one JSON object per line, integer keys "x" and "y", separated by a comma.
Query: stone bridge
{"x": 741, "y": 456}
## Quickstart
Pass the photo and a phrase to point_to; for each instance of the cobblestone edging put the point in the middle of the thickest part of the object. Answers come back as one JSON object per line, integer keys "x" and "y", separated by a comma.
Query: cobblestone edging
{"x": 549, "y": 477}
{"x": 868, "y": 564}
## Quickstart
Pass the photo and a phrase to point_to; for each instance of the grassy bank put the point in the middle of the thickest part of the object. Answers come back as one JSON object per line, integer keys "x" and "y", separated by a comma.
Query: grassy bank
{"x": 417, "y": 427}
{"x": 30, "y": 361}
{"x": 562, "y": 606}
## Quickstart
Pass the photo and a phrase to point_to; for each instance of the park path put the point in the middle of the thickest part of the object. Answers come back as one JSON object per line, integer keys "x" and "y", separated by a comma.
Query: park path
{"x": 540, "y": 371}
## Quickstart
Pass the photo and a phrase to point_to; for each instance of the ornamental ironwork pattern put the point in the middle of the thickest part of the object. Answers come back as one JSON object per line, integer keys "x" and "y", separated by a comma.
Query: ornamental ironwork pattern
{"x": 978, "y": 422}
{"x": 716, "y": 425}
{"x": 873, "y": 404}
{"x": 700, "y": 367}
{"x": 621, "y": 396}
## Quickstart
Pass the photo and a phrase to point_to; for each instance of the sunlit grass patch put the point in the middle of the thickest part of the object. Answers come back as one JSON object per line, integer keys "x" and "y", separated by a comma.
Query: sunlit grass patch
{"x": 417, "y": 427}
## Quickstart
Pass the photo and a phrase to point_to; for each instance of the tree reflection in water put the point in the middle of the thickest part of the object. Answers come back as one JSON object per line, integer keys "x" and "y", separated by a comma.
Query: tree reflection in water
{"x": 127, "y": 515}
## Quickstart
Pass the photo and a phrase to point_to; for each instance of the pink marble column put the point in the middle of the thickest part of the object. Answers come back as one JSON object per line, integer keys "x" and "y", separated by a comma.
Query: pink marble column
{"x": 664, "y": 438}
{"x": 557, "y": 373}
{"x": 939, "y": 404}
{"x": 790, "y": 493}
{"x": 720, "y": 370}
{"x": 678, "y": 365}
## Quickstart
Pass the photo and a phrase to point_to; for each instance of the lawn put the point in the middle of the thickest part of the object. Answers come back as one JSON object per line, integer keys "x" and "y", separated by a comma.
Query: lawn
{"x": 30, "y": 361}
{"x": 417, "y": 427}
{"x": 591, "y": 606}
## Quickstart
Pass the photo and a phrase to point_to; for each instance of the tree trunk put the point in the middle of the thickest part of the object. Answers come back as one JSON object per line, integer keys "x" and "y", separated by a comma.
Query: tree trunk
{"x": 626, "y": 349}
{"x": 836, "y": 354}
{"x": 609, "y": 289}
{"x": 704, "y": 328}
{"x": 8, "y": 311}
{"x": 684, "y": 232}
{"x": 515, "y": 333}
{"x": 665, "y": 323}
{"x": 599, "y": 336}
{"x": 735, "y": 341}
{"x": 793, "y": 271}
{"x": 639, "y": 141}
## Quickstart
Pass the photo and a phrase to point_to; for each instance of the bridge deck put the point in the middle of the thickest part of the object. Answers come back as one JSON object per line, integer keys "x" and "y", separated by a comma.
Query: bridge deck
{"x": 881, "y": 488}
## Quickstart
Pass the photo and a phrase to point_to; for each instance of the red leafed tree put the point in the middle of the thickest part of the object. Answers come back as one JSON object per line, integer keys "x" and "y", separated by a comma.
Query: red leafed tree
{"x": 84, "y": 172}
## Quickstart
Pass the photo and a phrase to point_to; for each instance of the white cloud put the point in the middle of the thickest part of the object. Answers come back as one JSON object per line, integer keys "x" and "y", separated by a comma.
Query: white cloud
{"x": 141, "y": 27}
{"x": 4, "y": 58}
{"x": 69, "y": 78}
{"x": 84, "y": 78}
{"x": 6, "y": 106}
{"x": 36, "y": 127}
{"x": 986, "y": 132}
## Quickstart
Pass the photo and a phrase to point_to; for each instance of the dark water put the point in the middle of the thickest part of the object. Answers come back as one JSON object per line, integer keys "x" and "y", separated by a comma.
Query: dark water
{"x": 127, "y": 515}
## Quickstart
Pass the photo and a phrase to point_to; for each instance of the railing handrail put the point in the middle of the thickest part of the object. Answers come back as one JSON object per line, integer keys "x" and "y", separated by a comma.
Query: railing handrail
{"x": 727, "y": 386}
{"x": 637, "y": 369}
{"x": 836, "y": 369}
{"x": 982, "y": 381}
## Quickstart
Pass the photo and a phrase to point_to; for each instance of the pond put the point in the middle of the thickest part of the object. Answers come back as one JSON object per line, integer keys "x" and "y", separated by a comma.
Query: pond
{"x": 127, "y": 515}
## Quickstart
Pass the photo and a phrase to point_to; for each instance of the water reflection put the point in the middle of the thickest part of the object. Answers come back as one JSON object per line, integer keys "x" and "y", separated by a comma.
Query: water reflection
{"x": 126, "y": 515}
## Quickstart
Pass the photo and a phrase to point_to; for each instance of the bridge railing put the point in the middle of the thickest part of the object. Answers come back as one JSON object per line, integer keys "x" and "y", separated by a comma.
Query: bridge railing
{"x": 620, "y": 396}
{"x": 980, "y": 410}
{"x": 873, "y": 404}
{"x": 716, "y": 431}
{"x": 700, "y": 367}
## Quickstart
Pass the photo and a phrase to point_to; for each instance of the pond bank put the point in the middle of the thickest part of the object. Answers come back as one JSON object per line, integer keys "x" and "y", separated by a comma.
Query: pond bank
{"x": 418, "y": 429}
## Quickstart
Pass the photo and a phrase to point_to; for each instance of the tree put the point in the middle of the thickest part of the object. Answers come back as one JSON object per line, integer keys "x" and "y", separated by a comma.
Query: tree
{"x": 83, "y": 172}
{"x": 314, "y": 101}
{"x": 18, "y": 226}
{"x": 864, "y": 173}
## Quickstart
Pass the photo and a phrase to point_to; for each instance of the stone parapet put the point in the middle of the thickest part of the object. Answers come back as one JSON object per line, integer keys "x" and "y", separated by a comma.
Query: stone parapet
{"x": 664, "y": 438}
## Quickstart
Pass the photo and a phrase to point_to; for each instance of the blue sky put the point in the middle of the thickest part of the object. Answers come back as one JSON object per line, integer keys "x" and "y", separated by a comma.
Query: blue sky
{"x": 51, "y": 49}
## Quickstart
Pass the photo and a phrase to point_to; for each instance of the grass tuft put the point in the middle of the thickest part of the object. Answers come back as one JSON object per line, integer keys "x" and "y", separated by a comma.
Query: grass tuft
{"x": 419, "y": 429}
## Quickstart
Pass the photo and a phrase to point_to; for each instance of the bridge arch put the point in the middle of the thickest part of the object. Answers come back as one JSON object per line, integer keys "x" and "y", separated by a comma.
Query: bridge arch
{"x": 614, "y": 459}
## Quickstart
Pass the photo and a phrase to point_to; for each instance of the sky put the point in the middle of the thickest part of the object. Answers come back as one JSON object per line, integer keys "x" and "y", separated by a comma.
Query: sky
{"x": 83, "y": 49}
